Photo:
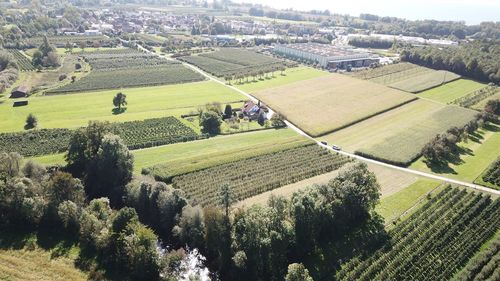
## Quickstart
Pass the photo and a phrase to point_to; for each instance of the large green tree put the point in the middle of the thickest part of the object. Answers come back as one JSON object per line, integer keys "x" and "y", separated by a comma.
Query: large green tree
{"x": 210, "y": 122}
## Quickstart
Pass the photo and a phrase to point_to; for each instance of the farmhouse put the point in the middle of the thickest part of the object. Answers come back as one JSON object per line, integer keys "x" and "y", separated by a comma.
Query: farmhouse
{"x": 251, "y": 110}
{"x": 19, "y": 92}
{"x": 327, "y": 56}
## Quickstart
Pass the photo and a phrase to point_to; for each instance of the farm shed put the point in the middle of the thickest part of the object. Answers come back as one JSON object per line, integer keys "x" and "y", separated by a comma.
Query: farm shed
{"x": 20, "y": 103}
{"x": 19, "y": 92}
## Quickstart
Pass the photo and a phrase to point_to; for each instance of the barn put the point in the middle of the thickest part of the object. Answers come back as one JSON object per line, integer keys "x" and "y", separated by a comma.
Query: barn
{"x": 19, "y": 92}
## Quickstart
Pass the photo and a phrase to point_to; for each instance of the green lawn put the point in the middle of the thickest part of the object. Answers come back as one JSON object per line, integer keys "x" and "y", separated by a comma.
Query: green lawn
{"x": 182, "y": 157}
{"x": 75, "y": 110}
{"x": 479, "y": 153}
{"x": 291, "y": 75}
{"x": 451, "y": 91}
{"x": 395, "y": 205}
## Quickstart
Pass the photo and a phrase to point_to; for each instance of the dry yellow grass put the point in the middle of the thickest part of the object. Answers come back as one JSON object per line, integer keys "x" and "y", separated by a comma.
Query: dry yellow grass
{"x": 37, "y": 265}
{"x": 325, "y": 104}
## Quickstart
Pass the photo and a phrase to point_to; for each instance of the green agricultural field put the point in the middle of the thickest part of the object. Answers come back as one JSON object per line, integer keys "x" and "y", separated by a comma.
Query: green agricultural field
{"x": 398, "y": 136}
{"x": 166, "y": 161}
{"x": 328, "y": 103}
{"x": 479, "y": 152}
{"x": 267, "y": 172}
{"x": 434, "y": 243}
{"x": 234, "y": 62}
{"x": 425, "y": 81}
{"x": 75, "y": 110}
{"x": 292, "y": 75}
{"x": 392, "y": 207}
{"x": 407, "y": 77}
{"x": 449, "y": 92}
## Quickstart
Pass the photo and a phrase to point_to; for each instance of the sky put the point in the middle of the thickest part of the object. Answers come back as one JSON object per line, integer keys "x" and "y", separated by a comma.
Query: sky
{"x": 470, "y": 11}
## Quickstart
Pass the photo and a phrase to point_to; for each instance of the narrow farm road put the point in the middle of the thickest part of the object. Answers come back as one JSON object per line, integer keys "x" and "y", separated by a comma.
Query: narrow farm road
{"x": 360, "y": 158}
{"x": 298, "y": 130}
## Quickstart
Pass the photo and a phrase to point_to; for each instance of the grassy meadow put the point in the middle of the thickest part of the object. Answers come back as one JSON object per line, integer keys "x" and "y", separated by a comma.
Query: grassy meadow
{"x": 181, "y": 158}
{"x": 449, "y": 92}
{"x": 75, "y": 110}
{"x": 393, "y": 206}
{"x": 399, "y": 135}
{"x": 477, "y": 154}
{"x": 425, "y": 81}
{"x": 291, "y": 75}
{"x": 41, "y": 255}
{"x": 328, "y": 103}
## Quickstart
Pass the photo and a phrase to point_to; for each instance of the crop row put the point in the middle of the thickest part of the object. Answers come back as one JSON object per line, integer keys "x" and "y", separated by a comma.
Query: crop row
{"x": 434, "y": 243}
{"x": 482, "y": 266}
{"x": 154, "y": 132}
{"x": 476, "y": 96}
{"x": 235, "y": 63}
{"x": 61, "y": 41}
{"x": 123, "y": 58}
{"x": 253, "y": 176}
{"x": 135, "y": 134}
{"x": 23, "y": 62}
{"x": 492, "y": 175}
{"x": 241, "y": 57}
{"x": 36, "y": 142}
{"x": 384, "y": 70}
{"x": 131, "y": 77}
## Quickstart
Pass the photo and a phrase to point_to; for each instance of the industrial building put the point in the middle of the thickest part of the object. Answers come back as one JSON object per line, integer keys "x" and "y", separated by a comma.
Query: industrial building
{"x": 327, "y": 56}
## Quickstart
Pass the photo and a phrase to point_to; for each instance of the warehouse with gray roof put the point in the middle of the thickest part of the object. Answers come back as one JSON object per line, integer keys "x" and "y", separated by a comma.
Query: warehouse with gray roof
{"x": 327, "y": 56}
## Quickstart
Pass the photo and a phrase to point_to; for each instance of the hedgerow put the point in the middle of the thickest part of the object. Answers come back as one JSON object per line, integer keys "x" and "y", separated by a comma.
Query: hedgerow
{"x": 434, "y": 243}
{"x": 256, "y": 175}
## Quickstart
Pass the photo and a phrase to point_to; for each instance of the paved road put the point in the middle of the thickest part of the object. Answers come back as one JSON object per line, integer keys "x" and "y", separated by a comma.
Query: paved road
{"x": 298, "y": 130}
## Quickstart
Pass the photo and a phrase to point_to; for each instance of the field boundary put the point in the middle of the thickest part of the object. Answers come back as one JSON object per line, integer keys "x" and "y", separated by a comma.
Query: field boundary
{"x": 432, "y": 87}
{"x": 365, "y": 118}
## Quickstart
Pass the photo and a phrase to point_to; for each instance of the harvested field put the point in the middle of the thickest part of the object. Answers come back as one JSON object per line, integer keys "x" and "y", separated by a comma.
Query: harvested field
{"x": 398, "y": 136}
{"x": 329, "y": 103}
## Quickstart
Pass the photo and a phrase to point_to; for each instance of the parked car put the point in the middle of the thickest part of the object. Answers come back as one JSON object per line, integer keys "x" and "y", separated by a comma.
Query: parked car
{"x": 336, "y": 147}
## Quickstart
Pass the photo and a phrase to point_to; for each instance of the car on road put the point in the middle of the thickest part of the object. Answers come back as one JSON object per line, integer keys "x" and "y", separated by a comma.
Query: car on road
{"x": 324, "y": 143}
{"x": 336, "y": 147}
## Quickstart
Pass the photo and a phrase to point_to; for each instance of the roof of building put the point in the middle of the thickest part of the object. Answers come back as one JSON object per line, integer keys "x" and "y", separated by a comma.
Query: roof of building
{"x": 22, "y": 89}
{"x": 326, "y": 50}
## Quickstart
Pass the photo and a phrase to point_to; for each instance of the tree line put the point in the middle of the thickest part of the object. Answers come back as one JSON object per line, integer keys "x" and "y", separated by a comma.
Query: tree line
{"x": 120, "y": 220}
{"x": 444, "y": 147}
{"x": 477, "y": 60}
